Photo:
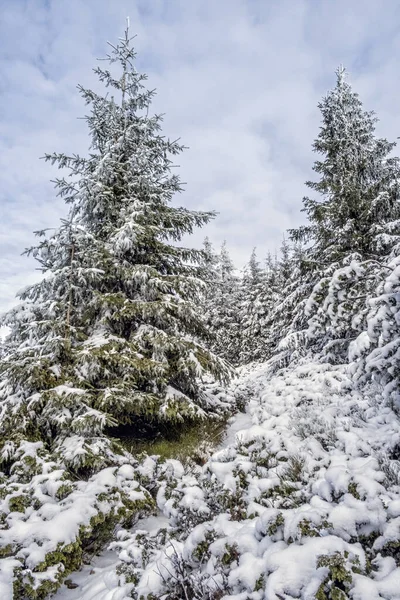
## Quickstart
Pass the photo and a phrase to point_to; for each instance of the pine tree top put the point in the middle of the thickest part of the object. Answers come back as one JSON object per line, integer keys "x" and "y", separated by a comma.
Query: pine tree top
{"x": 353, "y": 172}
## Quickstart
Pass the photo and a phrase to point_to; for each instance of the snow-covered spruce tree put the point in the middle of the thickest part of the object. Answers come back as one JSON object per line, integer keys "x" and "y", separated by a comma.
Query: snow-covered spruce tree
{"x": 209, "y": 266}
{"x": 284, "y": 265}
{"x": 253, "y": 311}
{"x": 210, "y": 277}
{"x": 286, "y": 321}
{"x": 110, "y": 336}
{"x": 261, "y": 296}
{"x": 269, "y": 296}
{"x": 222, "y": 306}
{"x": 277, "y": 275}
{"x": 352, "y": 223}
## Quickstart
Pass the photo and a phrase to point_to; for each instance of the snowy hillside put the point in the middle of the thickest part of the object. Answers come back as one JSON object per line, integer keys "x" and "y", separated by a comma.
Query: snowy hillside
{"x": 303, "y": 501}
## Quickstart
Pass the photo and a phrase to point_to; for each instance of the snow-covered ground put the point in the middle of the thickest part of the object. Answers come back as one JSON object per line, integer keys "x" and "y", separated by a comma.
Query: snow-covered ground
{"x": 302, "y": 500}
{"x": 240, "y": 422}
{"x": 99, "y": 580}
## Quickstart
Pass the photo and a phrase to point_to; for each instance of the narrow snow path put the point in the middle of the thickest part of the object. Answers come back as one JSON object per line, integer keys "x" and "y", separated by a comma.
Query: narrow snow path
{"x": 238, "y": 423}
{"x": 91, "y": 580}
{"x": 99, "y": 580}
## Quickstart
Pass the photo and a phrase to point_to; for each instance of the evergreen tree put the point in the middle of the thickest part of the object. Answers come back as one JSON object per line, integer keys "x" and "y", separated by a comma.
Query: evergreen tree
{"x": 210, "y": 277}
{"x": 111, "y": 334}
{"x": 210, "y": 264}
{"x": 353, "y": 221}
{"x": 267, "y": 297}
{"x": 286, "y": 321}
{"x": 353, "y": 183}
{"x": 270, "y": 293}
{"x": 223, "y": 305}
{"x": 285, "y": 264}
{"x": 253, "y": 311}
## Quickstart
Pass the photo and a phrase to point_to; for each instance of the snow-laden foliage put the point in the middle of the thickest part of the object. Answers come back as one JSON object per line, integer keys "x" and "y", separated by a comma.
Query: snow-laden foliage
{"x": 305, "y": 503}
{"x": 222, "y": 303}
{"x": 111, "y": 335}
{"x": 52, "y": 521}
{"x": 376, "y": 351}
{"x": 336, "y": 260}
{"x": 353, "y": 225}
{"x": 286, "y": 321}
{"x": 253, "y": 308}
{"x": 358, "y": 181}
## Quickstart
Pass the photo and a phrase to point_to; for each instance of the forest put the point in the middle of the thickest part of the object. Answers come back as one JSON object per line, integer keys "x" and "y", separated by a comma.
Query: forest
{"x": 172, "y": 427}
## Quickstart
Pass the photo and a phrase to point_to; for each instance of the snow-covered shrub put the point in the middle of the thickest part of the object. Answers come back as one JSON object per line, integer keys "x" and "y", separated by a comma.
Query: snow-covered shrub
{"x": 51, "y": 521}
{"x": 279, "y": 513}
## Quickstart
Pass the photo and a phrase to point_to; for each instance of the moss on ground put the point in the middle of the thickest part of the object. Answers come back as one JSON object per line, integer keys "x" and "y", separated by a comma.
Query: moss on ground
{"x": 193, "y": 443}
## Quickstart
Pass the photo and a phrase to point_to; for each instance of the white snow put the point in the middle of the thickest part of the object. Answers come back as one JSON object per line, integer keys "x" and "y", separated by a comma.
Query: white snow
{"x": 237, "y": 424}
{"x": 99, "y": 580}
{"x": 233, "y": 524}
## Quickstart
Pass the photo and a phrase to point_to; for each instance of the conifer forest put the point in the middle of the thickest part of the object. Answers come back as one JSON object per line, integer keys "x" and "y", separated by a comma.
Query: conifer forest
{"x": 173, "y": 426}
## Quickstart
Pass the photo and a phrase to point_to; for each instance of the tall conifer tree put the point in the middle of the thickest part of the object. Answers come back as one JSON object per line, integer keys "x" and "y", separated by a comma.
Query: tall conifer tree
{"x": 286, "y": 320}
{"x": 253, "y": 310}
{"x": 223, "y": 304}
{"x": 111, "y": 334}
{"x": 351, "y": 222}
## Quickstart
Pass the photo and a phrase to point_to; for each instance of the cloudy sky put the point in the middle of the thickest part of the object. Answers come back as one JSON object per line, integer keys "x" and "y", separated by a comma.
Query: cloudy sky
{"x": 239, "y": 81}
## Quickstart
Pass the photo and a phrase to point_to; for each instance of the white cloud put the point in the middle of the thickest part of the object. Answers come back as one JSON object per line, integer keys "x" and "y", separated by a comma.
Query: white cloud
{"x": 239, "y": 81}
